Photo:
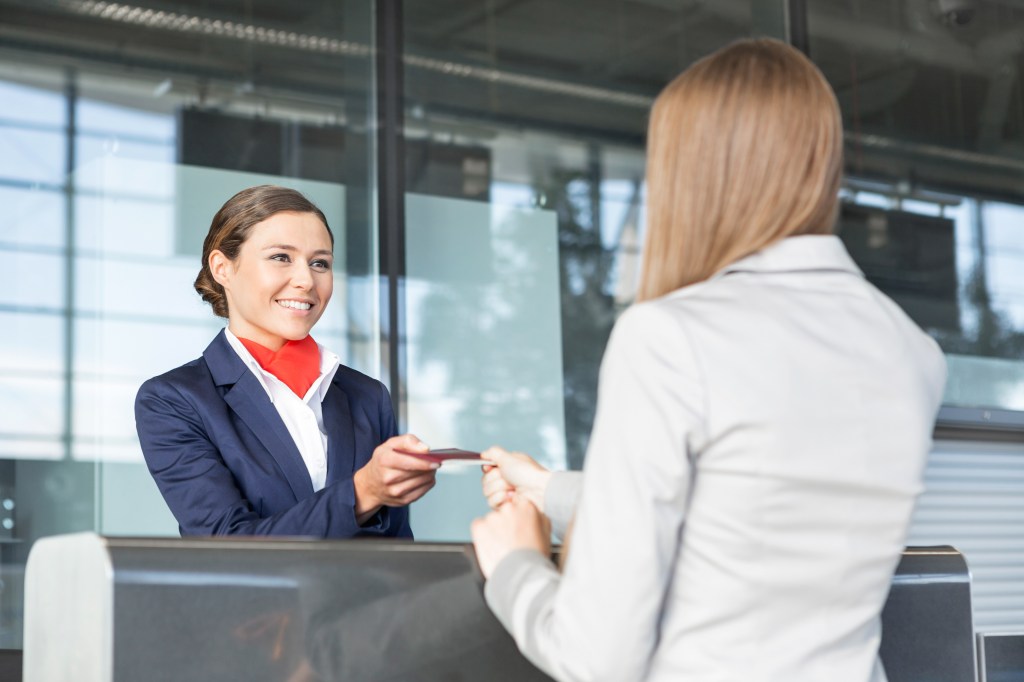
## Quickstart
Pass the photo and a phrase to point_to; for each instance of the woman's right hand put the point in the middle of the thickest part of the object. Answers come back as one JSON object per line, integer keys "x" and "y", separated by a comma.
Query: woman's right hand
{"x": 513, "y": 472}
{"x": 393, "y": 477}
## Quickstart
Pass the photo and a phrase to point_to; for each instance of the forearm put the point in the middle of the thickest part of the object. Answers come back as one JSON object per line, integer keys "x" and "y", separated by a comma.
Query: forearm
{"x": 328, "y": 513}
{"x": 521, "y": 593}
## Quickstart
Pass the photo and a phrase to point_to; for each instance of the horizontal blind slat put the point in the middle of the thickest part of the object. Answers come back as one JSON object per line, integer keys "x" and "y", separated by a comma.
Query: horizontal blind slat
{"x": 974, "y": 500}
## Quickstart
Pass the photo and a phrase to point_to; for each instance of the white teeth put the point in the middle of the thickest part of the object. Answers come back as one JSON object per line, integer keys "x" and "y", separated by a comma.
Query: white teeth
{"x": 297, "y": 305}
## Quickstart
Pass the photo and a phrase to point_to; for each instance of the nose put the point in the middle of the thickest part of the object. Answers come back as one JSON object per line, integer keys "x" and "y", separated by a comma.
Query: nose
{"x": 302, "y": 277}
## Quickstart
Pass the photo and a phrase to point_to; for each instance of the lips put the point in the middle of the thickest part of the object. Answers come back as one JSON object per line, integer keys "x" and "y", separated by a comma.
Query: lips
{"x": 294, "y": 305}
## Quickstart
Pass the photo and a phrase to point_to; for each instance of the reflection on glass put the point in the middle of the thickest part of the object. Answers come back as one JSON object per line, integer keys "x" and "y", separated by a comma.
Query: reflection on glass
{"x": 32, "y": 280}
{"x": 34, "y": 106}
{"x": 33, "y": 218}
{"x": 32, "y": 344}
{"x": 555, "y": 119}
{"x": 484, "y": 343}
{"x": 91, "y": 149}
{"x": 32, "y": 154}
{"x": 30, "y": 407}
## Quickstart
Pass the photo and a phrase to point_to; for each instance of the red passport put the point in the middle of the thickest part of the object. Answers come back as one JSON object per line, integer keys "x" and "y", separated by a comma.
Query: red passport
{"x": 451, "y": 455}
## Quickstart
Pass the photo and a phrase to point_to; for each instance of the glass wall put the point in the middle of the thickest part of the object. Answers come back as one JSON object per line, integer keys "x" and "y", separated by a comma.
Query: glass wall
{"x": 122, "y": 130}
{"x": 932, "y": 102}
{"x": 535, "y": 109}
{"x": 123, "y": 126}
{"x": 542, "y": 107}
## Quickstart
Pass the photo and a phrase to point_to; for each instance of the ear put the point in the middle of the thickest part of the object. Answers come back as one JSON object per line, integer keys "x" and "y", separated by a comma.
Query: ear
{"x": 220, "y": 268}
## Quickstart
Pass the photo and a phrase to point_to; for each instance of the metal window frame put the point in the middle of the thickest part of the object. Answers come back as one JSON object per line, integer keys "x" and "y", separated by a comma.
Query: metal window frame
{"x": 784, "y": 19}
{"x": 391, "y": 198}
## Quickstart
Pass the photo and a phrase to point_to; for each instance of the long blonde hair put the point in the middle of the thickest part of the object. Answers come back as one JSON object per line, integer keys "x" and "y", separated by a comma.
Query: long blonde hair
{"x": 744, "y": 148}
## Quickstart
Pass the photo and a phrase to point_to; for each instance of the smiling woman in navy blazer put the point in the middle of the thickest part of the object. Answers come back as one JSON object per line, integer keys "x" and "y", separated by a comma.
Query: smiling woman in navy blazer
{"x": 267, "y": 433}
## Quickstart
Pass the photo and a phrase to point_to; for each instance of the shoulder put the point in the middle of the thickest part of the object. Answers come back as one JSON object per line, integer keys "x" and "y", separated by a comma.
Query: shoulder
{"x": 653, "y": 324}
{"x": 651, "y": 341}
{"x": 190, "y": 378}
{"x": 358, "y": 385}
{"x": 190, "y": 372}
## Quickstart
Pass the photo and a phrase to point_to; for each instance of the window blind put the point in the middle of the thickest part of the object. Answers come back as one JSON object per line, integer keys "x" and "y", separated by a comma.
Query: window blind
{"x": 974, "y": 501}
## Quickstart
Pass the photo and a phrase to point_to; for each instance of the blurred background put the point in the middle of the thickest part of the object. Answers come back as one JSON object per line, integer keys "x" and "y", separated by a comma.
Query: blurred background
{"x": 482, "y": 167}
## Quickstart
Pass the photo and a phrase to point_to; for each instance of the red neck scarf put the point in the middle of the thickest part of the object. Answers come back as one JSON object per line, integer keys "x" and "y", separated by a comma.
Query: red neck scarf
{"x": 297, "y": 364}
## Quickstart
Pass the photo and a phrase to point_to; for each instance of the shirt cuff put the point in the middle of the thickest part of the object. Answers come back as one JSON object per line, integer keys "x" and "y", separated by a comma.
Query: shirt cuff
{"x": 560, "y": 498}
{"x": 378, "y": 523}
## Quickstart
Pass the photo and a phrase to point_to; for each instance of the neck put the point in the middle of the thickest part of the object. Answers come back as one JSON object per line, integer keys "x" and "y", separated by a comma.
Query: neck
{"x": 269, "y": 341}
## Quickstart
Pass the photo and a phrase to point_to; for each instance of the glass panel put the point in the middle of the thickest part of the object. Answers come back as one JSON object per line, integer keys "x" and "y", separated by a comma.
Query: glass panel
{"x": 931, "y": 96}
{"x": 484, "y": 343}
{"x": 128, "y": 225}
{"x": 159, "y": 117}
{"x": 31, "y": 105}
{"x": 541, "y": 107}
{"x": 35, "y": 156}
{"x": 33, "y": 344}
{"x": 95, "y": 116}
{"x": 89, "y": 147}
{"x": 32, "y": 218}
{"x": 32, "y": 407}
{"x": 32, "y": 280}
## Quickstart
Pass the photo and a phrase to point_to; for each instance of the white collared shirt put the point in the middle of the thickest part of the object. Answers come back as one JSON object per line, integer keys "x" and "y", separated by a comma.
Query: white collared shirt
{"x": 303, "y": 417}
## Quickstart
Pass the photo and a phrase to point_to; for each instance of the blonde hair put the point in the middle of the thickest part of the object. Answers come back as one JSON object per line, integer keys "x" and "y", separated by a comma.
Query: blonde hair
{"x": 744, "y": 148}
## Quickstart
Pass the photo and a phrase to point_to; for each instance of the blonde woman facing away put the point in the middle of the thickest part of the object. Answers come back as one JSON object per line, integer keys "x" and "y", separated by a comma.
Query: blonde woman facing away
{"x": 763, "y": 419}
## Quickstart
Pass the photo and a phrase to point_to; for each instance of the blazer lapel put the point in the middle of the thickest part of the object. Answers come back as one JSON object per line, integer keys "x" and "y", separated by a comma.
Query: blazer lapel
{"x": 250, "y": 402}
{"x": 341, "y": 460}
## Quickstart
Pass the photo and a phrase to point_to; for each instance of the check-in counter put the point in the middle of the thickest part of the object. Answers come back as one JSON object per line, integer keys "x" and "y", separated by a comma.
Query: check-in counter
{"x": 106, "y": 609}
{"x": 1001, "y": 657}
{"x": 117, "y": 609}
{"x": 927, "y": 623}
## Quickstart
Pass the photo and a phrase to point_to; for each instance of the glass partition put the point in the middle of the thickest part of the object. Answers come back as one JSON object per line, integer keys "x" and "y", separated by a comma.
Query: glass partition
{"x": 122, "y": 129}
{"x": 931, "y": 95}
{"x": 121, "y": 125}
{"x": 484, "y": 343}
{"x": 543, "y": 106}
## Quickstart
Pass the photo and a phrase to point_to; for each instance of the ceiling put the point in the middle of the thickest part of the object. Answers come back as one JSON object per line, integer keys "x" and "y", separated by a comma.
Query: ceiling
{"x": 931, "y": 90}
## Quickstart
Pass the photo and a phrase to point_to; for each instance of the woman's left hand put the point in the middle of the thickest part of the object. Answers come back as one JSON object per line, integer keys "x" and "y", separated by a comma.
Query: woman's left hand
{"x": 516, "y": 525}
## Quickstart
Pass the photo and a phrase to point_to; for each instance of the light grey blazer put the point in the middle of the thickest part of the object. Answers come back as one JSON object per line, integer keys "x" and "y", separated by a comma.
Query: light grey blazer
{"x": 759, "y": 443}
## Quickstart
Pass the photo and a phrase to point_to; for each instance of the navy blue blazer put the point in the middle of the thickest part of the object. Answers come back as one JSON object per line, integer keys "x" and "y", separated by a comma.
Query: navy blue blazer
{"x": 226, "y": 464}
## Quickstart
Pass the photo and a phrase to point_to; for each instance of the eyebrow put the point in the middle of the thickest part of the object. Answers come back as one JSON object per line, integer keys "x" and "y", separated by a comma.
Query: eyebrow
{"x": 289, "y": 247}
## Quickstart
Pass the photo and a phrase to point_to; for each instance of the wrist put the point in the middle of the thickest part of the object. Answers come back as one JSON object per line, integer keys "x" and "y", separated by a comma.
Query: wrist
{"x": 538, "y": 487}
{"x": 367, "y": 503}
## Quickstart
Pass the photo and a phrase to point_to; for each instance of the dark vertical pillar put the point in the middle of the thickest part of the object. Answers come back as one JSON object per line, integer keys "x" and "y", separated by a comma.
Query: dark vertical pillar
{"x": 70, "y": 135}
{"x": 782, "y": 19}
{"x": 768, "y": 18}
{"x": 796, "y": 32}
{"x": 391, "y": 197}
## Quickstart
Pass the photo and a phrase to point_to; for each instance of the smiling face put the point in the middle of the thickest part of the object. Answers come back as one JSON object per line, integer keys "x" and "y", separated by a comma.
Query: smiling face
{"x": 281, "y": 281}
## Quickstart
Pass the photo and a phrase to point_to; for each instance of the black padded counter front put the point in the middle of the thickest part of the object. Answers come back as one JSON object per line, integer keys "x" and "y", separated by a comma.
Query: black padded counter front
{"x": 116, "y": 609}
{"x": 109, "y": 609}
{"x": 927, "y": 622}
